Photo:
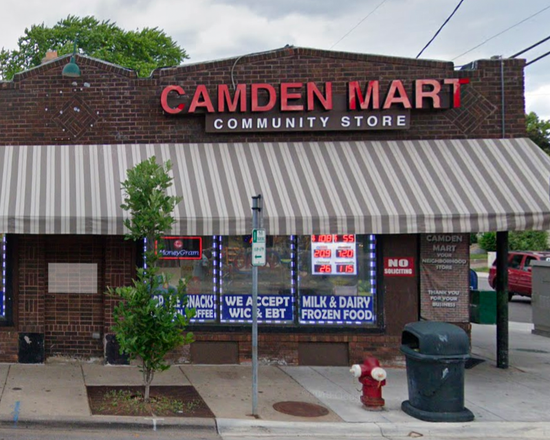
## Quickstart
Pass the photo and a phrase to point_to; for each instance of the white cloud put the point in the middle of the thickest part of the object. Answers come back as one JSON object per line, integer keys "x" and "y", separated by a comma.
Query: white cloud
{"x": 538, "y": 101}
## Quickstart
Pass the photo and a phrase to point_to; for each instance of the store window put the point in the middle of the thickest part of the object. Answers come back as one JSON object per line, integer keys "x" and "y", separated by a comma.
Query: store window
{"x": 193, "y": 259}
{"x": 337, "y": 279}
{"x": 324, "y": 280}
{"x": 275, "y": 293}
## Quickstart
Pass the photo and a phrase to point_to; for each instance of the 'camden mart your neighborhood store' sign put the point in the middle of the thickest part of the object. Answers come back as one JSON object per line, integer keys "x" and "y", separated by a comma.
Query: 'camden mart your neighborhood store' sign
{"x": 294, "y": 106}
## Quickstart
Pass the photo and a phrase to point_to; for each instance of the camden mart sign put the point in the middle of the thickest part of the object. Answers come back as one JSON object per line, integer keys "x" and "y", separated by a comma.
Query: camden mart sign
{"x": 310, "y": 106}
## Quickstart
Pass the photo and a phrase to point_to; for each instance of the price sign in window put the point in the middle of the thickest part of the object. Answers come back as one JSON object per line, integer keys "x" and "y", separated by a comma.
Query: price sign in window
{"x": 333, "y": 254}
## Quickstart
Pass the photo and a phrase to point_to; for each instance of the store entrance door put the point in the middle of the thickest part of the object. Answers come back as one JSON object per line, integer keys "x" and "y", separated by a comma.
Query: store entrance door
{"x": 74, "y": 303}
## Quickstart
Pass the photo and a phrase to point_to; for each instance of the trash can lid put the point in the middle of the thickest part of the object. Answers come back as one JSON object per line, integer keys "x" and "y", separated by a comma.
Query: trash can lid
{"x": 436, "y": 338}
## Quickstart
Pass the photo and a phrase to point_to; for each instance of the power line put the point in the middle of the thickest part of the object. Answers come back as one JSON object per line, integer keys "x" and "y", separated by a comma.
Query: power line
{"x": 530, "y": 47}
{"x": 357, "y": 25}
{"x": 500, "y": 33}
{"x": 439, "y": 30}
{"x": 538, "y": 58}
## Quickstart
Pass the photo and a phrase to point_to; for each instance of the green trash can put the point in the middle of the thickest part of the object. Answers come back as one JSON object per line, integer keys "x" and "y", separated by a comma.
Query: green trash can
{"x": 435, "y": 354}
{"x": 483, "y": 306}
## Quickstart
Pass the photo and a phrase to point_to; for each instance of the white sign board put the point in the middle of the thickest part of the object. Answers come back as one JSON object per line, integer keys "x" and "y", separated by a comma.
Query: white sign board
{"x": 258, "y": 247}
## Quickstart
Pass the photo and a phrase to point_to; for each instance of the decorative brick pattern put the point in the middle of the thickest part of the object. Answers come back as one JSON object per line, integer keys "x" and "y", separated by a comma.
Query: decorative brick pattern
{"x": 75, "y": 117}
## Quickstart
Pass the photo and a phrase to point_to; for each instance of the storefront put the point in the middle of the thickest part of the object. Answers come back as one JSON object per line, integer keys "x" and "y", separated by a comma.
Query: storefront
{"x": 373, "y": 172}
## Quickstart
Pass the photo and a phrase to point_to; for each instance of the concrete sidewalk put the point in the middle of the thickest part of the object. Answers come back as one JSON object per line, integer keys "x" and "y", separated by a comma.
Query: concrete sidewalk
{"x": 506, "y": 403}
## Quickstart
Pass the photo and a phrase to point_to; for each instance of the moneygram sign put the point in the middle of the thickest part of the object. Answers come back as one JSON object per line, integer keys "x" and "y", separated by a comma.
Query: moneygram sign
{"x": 310, "y": 106}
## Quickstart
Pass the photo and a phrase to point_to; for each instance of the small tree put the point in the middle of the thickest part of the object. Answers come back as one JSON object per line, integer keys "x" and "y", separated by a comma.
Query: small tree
{"x": 147, "y": 322}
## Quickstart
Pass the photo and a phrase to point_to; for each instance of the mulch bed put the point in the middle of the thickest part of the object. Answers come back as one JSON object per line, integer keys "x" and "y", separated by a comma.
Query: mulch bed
{"x": 165, "y": 401}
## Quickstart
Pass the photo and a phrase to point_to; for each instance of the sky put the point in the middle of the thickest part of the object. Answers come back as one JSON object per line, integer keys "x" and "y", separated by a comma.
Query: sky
{"x": 216, "y": 29}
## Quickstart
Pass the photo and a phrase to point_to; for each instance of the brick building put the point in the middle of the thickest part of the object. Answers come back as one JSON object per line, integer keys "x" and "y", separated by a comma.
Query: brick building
{"x": 373, "y": 171}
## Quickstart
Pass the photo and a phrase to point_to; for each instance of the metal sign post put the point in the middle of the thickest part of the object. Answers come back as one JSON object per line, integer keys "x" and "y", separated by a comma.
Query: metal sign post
{"x": 258, "y": 243}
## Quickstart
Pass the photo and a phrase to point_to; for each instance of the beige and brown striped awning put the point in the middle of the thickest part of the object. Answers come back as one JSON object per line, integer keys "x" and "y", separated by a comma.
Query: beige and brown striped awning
{"x": 308, "y": 187}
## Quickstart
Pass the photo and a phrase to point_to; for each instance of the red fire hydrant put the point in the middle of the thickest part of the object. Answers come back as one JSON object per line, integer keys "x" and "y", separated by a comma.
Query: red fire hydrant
{"x": 373, "y": 379}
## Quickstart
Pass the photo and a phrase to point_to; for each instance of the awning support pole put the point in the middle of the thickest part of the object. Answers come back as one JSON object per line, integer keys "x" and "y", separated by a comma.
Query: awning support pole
{"x": 256, "y": 223}
{"x": 502, "y": 299}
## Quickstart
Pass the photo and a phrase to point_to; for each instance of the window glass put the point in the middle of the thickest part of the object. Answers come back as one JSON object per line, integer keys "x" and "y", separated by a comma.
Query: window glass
{"x": 515, "y": 262}
{"x": 336, "y": 279}
{"x": 275, "y": 294}
{"x": 193, "y": 259}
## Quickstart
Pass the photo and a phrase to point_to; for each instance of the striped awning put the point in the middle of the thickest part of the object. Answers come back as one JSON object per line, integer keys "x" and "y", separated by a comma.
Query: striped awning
{"x": 308, "y": 187}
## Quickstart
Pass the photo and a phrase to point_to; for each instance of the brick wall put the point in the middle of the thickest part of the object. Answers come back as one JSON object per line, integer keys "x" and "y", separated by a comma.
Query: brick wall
{"x": 283, "y": 348}
{"x": 73, "y": 324}
{"x": 9, "y": 345}
{"x": 74, "y": 321}
{"x": 109, "y": 105}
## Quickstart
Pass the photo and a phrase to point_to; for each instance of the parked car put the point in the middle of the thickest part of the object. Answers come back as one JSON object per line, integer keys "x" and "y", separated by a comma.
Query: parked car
{"x": 519, "y": 271}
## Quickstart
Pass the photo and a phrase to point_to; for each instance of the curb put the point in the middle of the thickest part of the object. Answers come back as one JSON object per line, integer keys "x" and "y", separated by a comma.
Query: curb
{"x": 112, "y": 422}
{"x": 229, "y": 428}
{"x": 233, "y": 428}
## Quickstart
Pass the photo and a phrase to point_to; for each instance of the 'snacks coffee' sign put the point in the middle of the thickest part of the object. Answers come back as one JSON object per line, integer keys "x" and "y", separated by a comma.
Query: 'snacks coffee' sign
{"x": 309, "y": 106}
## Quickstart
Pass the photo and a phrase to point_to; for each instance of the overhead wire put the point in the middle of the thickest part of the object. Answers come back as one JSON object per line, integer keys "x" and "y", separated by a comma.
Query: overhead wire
{"x": 357, "y": 25}
{"x": 440, "y": 28}
{"x": 502, "y": 32}
{"x": 537, "y": 59}
{"x": 530, "y": 47}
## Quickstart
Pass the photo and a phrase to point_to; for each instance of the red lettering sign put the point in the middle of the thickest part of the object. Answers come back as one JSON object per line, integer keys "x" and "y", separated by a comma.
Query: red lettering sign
{"x": 301, "y": 97}
{"x": 432, "y": 94}
{"x": 272, "y": 97}
{"x": 372, "y": 93}
{"x": 287, "y": 94}
{"x": 239, "y": 97}
{"x": 325, "y": 100}
{"x": 164, "y": 100}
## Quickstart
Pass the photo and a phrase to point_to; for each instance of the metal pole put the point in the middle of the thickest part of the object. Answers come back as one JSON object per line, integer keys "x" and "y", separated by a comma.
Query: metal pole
{"x": 256, "y": 222}
{"x": 502, "y": 299}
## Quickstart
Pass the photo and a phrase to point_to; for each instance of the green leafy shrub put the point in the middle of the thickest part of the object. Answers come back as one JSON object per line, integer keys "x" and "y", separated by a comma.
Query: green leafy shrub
{"x": 517, "y": 241}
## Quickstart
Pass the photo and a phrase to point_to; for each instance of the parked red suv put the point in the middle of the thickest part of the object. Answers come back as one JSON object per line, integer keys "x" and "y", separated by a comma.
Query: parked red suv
{"x": 519, "y": 271}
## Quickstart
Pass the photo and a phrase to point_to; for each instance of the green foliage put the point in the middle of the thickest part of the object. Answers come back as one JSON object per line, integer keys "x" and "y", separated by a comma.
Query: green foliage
{"x": 538, "y": 131}
{"x": 141, "y": 50}
{"x": 146, "y": 201}
{"x": 517, "y": 241}
{"x": 473, "y": 238}
{"x": 528, "y": 241}
{"x": 488, "y": 241}
{"x": 147, "y": 324}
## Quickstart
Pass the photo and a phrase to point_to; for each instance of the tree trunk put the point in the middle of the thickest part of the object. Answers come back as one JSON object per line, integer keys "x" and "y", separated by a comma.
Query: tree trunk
{"x": 148, "y": 376}
{"x": 146, "y": 382}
